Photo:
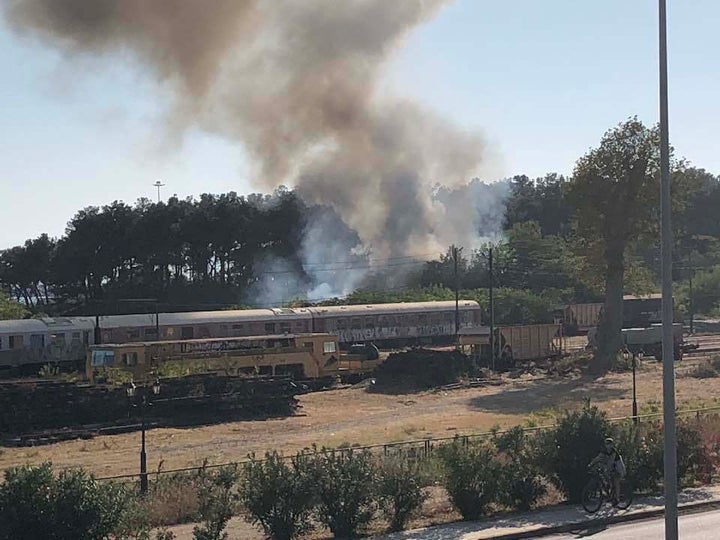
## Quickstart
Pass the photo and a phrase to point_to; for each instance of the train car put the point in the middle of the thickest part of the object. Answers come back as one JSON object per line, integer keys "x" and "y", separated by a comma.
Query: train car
{"x": 529, "y": 342}
{"x": 395, "y": 324}
{"x": 27, "y": 345}
{"x": 579, "y": 318}
{"x": 65, "y": 340}
{"x": 304, "y": 356}
{"x": 204, "y": 324}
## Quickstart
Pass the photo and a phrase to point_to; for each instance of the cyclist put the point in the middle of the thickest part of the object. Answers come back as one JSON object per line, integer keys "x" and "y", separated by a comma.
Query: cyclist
{"x": 613, "y": 466}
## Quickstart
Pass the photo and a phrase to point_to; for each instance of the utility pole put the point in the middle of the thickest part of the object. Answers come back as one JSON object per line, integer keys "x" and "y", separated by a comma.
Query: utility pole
{"x": 670, "y": 458}
{"x": 455, "y": 254}
{"x": 158, "y": 184}
{"x": 492, "y": 311}
{"x": 691, "y": 307}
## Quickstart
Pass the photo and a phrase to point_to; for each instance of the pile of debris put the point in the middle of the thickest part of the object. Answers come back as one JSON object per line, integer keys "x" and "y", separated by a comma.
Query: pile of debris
{"x": 421, "y": 369}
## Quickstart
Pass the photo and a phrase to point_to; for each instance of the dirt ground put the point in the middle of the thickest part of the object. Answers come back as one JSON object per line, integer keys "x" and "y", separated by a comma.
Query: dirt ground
{"x": 355, "y": 416}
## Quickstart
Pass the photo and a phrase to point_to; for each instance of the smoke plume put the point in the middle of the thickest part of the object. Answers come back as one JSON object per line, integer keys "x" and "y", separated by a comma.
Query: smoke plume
{"x": 296, "y": 82}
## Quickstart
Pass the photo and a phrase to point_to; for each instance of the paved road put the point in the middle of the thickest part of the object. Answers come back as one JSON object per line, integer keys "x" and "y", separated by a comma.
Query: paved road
{"x": 702, "y": 526}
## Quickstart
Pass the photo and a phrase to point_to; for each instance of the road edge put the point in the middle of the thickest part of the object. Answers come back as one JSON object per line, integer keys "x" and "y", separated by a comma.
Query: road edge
{"x": 688, "y": 508}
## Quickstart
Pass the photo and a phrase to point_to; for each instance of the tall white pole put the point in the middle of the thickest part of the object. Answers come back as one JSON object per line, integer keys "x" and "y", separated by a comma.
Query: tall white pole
{"x": 671, "y": 511}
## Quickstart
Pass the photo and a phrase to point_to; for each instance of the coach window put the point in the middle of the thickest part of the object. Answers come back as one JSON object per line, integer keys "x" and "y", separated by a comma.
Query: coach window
{"x": 133, "y": 334}
{"x": 382, "y": 321}
{"x": 37, "y": 341}
{"x": 341, "y": 324}
{"x": 357, "y": 323}
{"x": 422, "y": 319}
{"x": 269, "y": 328}
{"x": 15, "y": 342}
{"x": 449, "y": 318}
{"x": 369, "y": 323}
{"x": 435, "y": 318}
{"x": 187, "y": 332}
{"x": 150, "y": 333}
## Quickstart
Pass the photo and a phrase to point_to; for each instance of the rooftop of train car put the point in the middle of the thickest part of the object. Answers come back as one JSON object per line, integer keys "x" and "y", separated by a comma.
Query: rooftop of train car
{"x": 24, "y": 326}
{"x": 210, "y": 340}
{"x": 408, "y": 307}
{"x": 202, "y": 317}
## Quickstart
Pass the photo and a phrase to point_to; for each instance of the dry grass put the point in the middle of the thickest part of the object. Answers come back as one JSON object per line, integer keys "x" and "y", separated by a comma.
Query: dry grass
{"x": 353, "y": 416}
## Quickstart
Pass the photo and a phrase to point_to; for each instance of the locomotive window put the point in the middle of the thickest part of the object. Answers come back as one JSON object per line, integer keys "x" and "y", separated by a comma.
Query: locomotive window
{"x": 341, "y": 324}
{"x": 329, "y": 347}
{"x": 270, "y": 328}
{"x": 37, "y": 341}
{"x": 285, "y": 328}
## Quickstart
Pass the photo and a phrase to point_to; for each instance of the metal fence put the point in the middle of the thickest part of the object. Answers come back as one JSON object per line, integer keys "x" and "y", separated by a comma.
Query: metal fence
{"x": 419, "y": 448}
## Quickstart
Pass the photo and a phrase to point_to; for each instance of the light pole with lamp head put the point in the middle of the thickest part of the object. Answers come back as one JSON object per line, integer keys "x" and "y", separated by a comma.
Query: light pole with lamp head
{"x": 132, "y": 394}
{"x": 635, "y": 355}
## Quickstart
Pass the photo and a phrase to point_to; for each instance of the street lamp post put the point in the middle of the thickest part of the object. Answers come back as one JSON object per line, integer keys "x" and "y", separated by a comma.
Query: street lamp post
{"x": 627, "y": 354}
{"x": 132, "y": 394}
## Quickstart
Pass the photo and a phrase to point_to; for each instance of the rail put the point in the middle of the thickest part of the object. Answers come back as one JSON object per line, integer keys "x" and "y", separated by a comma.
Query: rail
{"x": 426, "y": 445}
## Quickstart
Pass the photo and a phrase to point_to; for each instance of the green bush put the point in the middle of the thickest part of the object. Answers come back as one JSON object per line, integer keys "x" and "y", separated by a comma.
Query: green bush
{"x": 694, "y": 461}
{"x": 278, "y": 495}
{"x": 345, "y": 483}
{"x": 641, "y": 447}
{"x": 567, "y": 449}
{"x": 471, "y": 473}
{"x": 400, "y": 490}
{"x": 218, "y": 502}
{"x": 520, "y": 481}
{"x": 36, "y": 504}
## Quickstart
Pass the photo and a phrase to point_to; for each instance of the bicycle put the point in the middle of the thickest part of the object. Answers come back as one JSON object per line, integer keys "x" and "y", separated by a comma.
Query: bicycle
{"x": 600, "y": 489}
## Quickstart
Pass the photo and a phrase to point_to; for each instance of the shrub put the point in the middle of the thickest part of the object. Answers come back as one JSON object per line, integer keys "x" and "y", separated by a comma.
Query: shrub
{"x": 694, "y": 461}
{"x": 278, "y": 495}
{"x": 704, "y": 370}
{"x": 174, "y": 498}
{"x": 471, "y": 474}
{"x": 400, "y": 490}
{"x": 641, "y": 447}
{"x": 36, "y": 504}
{"x": 567, "y": 449}
{"x": 520, "y": 481}
{"x": 218, "y": 502}
{"x": 345, "y": 482}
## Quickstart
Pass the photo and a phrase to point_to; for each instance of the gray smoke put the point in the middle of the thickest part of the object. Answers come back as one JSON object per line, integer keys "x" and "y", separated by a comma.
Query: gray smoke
{"x": 296, "y": 82}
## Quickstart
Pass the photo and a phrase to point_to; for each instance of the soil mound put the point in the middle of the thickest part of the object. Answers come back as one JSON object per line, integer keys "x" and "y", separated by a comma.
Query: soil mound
{"x": 420, "y": 369}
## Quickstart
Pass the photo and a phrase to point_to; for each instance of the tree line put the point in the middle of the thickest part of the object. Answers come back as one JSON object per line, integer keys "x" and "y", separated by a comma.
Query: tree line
{"x": 591, "y": 236}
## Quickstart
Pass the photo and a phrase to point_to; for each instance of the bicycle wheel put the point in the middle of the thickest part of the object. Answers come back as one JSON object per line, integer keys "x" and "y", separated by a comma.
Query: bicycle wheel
{"x": 625, "y": 496}
{"x": 592, "y": 496}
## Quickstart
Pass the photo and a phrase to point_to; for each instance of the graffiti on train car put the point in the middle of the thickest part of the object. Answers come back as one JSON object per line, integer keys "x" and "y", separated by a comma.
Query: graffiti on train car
{"x": 220, "y": 345}
{"x": 394, "y": 332}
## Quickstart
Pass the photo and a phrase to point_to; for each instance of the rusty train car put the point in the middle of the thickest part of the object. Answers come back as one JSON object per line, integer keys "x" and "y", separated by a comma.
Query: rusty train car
{"x": 26, "y": 345}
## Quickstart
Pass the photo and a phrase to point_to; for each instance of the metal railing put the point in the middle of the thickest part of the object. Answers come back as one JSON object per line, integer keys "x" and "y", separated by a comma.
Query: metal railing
{"x": 417, "y": 447}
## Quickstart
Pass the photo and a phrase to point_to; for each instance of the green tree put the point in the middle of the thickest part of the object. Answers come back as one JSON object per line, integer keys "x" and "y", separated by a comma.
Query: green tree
{"x": 614, "y": 192}
{"x": 9, "y": 309}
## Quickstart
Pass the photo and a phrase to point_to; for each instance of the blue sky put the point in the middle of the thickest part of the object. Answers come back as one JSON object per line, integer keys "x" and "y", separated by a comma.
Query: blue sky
{"x": 541, "y": 79}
